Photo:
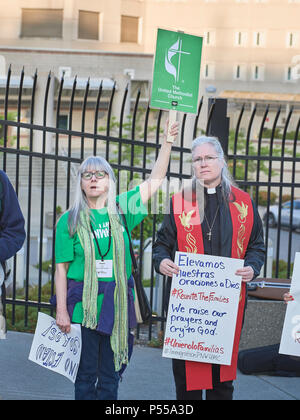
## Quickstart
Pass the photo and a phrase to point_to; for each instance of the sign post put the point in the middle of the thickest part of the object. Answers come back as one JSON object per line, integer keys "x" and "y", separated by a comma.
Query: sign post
{"x": 176, "y": 74}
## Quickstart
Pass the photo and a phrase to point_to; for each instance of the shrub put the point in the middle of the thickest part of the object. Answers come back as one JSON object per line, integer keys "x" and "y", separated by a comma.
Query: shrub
{"x": 263, "y": 198}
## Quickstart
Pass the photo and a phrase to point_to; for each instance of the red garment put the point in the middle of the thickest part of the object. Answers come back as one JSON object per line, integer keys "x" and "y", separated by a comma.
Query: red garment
{"x": 190, "y": 239}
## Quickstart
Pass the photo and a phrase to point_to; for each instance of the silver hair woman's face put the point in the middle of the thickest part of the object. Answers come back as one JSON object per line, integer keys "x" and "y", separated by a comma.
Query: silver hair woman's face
{"x": 94, "y": 183}
{"x": 207, "y": 165}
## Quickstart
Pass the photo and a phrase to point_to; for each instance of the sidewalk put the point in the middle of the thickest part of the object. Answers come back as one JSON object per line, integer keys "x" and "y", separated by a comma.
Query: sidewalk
{"x": 148, "y": 377}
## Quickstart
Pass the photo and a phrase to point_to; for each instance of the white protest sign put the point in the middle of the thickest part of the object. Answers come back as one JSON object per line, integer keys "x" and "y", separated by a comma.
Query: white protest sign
{"x": 290, "y": 339}
{"x": 203, "y": 309}
{"x": 55, "y": 350}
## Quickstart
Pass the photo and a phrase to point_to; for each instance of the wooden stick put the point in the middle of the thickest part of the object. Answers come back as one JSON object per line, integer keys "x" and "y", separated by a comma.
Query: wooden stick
{"x": 172, "y": 119}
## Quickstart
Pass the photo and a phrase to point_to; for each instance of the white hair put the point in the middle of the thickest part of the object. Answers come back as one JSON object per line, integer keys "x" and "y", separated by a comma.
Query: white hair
{"x": 92, "y": 163}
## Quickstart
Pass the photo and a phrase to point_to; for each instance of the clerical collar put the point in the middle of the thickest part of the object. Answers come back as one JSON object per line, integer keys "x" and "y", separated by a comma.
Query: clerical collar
{"x": 214, "y": 190}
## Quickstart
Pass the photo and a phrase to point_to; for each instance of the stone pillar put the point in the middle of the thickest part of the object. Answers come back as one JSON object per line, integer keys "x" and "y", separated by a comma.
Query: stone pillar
{"x": 122, "y": 81}
{"x": 39, "y": 113}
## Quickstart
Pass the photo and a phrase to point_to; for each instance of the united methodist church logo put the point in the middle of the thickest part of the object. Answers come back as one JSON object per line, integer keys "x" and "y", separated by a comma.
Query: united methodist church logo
{"x": 176, "y": 72}
{"x": 172, "y": 65}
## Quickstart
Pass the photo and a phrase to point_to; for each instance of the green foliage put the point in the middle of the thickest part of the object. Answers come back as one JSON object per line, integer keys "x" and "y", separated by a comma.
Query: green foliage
{"x": 252, "y": 150}
{"x": 11, "y": 116}
{"x": 282, "y": 269}
{"x": 264, "y": 199}
{"x": 278, "y": 134}
{"x": 19, "y": 311}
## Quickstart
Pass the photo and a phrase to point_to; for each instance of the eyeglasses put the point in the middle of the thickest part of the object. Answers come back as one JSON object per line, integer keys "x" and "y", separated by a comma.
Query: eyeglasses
{"x": 89, "y": 175}
{"x": 206, "y": 159}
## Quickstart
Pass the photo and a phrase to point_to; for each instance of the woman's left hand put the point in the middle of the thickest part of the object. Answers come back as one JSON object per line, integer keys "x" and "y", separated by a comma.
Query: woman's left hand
{"x": 174, "y": 130}
{"x": 247, "y": 273}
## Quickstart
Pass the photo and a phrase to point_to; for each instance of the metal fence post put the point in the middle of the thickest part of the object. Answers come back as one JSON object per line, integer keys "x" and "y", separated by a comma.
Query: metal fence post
{"x": 218, "y": 124}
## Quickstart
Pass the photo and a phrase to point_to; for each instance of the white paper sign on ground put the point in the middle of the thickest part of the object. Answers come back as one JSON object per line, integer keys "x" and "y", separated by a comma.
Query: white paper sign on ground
{"x": 55, "y": 350}
{"x": 203, "y": 309}
{"x": 290, "y": 339}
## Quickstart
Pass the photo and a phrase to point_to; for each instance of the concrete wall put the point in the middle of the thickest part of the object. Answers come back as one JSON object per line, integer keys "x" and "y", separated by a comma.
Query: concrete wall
{"x": 263, "y": 323}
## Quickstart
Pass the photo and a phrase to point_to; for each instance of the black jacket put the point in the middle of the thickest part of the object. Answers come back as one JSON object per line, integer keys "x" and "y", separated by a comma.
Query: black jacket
{"x": 12, "y": 232}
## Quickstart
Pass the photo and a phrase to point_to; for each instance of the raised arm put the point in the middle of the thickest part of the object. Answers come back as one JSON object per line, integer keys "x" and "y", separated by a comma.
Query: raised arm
{"x": 152, "y": 184}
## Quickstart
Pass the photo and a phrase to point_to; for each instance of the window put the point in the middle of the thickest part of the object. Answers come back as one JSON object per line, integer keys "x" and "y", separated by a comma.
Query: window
{"x": 239, "y": 72}
{"x": 63, "y": 122}
{"x": 241, "y": 38}
{"x": 289, "y": 74}
{"x": 258, "y": 72}
{"x": 129, "y": 29}
{"x": 44, "y": 23}
{"x": 292, "y": 39}
{"x": 259, "y": 39}
{"x": 210, "y": 37}
{"x": 208, "y": 72}
{"x": 88, "y": 25}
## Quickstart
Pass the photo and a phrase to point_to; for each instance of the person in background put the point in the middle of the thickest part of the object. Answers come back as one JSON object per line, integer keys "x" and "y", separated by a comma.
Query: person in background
{"x": 94, "y": 286}
{"x": 221, "y": 222}
{"x": 12, "y": 237}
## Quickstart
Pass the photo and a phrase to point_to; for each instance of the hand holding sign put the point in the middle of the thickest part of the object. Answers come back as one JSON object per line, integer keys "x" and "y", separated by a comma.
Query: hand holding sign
{"x": 203, "y": 309}
{"x": 172, "y": 131}
{"x": 55, "y": 350}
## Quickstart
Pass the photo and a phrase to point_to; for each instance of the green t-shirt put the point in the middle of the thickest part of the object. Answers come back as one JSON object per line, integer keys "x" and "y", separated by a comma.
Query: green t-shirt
{"x": 69, "y": 249}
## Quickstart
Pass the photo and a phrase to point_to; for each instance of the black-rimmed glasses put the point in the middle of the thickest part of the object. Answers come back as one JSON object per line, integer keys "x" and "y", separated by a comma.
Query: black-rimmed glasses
{"x": 89, "y": 175}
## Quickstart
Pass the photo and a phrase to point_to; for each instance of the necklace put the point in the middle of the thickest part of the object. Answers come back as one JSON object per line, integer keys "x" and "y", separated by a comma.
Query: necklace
{"x": 212, "y": 225}
{"x": 109, "y": 242}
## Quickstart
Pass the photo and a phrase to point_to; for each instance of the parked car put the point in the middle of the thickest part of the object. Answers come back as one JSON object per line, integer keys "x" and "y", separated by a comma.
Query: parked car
{"x": 285, "y": 211}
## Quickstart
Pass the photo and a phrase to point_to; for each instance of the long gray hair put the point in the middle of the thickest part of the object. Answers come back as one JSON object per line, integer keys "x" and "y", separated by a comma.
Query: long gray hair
{"x": 92, "y": 163}
{"x": 226, "y": 178}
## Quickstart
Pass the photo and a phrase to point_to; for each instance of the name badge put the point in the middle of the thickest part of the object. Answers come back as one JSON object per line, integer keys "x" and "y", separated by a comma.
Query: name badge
{"x": 104, "y": 268}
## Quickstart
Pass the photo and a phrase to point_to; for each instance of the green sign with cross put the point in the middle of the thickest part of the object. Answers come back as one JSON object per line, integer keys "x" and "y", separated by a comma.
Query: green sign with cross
{"x": 176, "y": 73}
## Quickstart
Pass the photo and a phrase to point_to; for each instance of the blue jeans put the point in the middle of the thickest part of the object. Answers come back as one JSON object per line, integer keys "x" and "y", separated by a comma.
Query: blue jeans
{"x": 96, "y": 377}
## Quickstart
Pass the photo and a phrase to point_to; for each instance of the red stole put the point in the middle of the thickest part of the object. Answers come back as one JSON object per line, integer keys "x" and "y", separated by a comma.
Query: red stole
{"x": 190, "y": 239}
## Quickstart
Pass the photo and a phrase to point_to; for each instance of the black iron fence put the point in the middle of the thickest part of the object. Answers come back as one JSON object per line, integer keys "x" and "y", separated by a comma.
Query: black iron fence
{"x": 41, "y": 157}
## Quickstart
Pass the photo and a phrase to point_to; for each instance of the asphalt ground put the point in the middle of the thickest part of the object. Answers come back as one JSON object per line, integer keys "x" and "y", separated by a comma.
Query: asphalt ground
{"x": 147, "y": 378}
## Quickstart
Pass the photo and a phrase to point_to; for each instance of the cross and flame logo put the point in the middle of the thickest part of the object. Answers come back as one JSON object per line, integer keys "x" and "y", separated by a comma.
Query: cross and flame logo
{"x": 174, "y": 50}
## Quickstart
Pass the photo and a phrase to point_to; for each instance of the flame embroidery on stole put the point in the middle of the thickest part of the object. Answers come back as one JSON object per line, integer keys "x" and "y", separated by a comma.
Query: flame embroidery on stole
{"x": 243, "y": 210}
{"x": 185, "y": 219}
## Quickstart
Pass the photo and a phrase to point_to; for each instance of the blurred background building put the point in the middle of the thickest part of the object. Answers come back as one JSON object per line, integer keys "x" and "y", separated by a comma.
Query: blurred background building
{"x": 251, "y": 48}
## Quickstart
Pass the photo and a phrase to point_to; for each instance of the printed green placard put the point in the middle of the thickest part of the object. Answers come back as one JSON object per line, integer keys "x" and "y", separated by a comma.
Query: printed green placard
{"x": 176, "y": 71}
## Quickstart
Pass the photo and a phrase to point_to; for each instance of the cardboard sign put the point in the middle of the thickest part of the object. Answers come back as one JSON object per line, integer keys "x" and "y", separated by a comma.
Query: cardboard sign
{"x": 290, "y": 339}
{"x": 55, "y": 350}
{"x": 176, "y": 73}
{"x": 203, "y": 309}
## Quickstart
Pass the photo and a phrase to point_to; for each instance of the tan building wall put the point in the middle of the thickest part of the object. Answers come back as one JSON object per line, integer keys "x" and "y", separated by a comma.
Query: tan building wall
{"x": 249, "y": 45}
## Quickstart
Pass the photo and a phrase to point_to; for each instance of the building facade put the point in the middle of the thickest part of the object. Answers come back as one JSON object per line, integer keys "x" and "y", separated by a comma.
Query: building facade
{"x": 251, "y": 47}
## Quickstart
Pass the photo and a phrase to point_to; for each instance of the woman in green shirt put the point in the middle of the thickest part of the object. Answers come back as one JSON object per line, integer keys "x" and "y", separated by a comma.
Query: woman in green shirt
{"x": 93, "y": 269}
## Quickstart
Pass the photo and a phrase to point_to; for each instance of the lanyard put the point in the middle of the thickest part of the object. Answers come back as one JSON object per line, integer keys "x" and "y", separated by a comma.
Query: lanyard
{"x": 109, "y": 243}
